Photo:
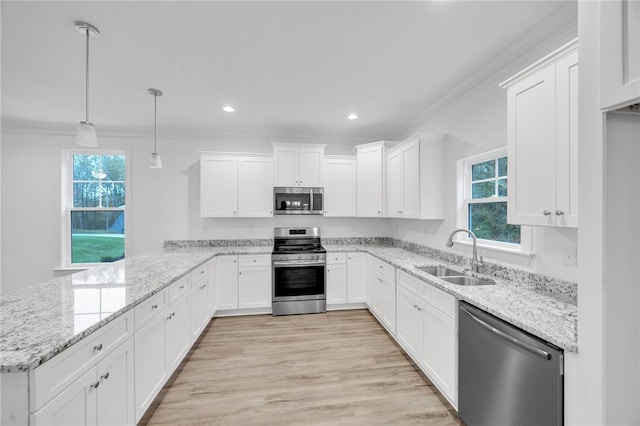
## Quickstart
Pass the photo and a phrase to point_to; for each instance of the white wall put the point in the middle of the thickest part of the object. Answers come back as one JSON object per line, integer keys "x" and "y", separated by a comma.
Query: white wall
{"x": 476, "y": 122}
{"x": 165, "y": 202}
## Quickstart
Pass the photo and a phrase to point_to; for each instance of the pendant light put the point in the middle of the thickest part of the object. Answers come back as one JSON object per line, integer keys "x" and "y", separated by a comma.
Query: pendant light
{"x": 155, "y": 162}
{"x": 86, "y": 133}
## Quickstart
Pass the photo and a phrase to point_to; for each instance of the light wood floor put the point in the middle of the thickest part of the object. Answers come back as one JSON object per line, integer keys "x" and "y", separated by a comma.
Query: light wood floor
{"x": 339, "y": 368}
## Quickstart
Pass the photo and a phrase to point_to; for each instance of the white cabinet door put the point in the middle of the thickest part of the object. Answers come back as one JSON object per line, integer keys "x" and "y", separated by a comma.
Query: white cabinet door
{"x": 340, "y": 187}
{"x": 311, "y": 164}
{"x": 336, "y": 284}
{"x": 254, "y": 287}
{"x": 178, "y": 324}
{"x": 218, "y": 186}
{"x": 440, "y": 358}
{"x": 409, "y": 327}
{"x": 375, "y": 293}
{"x": 150, "y": 365}
{"x": 115, "y": 393}
{"x": 619, "y": 53}
{"x": 531, "y": 132}
{"x": 566, "y": 211}
{"x": 388, "y": 304}
{"x": 411, "y": 180}
{"x": 356, "y": 277}
{"x": 285, "y": 171}
{"x": 255, "y": 187}
{"x": 199, "y": 295}
{"x": 370, "y": 181}
{"x": 395, "y": 184}
{"x": 74, "y": 406}
{"x": 542, "y": 129}
{"x": 226, "y": 282}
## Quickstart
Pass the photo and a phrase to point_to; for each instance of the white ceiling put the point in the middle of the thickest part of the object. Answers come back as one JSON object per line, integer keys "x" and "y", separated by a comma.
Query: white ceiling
{"x": 293, "y": 67}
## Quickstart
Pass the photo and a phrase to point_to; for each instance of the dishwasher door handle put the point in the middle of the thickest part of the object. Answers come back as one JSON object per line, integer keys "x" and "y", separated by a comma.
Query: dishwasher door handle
{"x": 508, "y": 338}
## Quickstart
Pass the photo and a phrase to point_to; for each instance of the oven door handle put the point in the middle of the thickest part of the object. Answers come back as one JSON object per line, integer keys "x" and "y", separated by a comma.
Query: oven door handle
{"x": 284, "y": 263}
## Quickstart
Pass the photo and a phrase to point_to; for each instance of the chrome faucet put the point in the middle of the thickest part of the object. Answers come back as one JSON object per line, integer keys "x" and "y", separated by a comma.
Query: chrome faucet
{"x": 475, "y": 259}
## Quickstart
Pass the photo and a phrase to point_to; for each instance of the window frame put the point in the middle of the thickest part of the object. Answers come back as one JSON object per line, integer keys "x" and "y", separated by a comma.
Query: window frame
{"x": 464, "y": 199}
{"x": 67, "y": 204}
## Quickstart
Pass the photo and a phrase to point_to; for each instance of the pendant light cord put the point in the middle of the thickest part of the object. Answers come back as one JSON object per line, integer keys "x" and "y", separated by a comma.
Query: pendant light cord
{"x": 155, "y": 122}
{"x": 87, "y": 80}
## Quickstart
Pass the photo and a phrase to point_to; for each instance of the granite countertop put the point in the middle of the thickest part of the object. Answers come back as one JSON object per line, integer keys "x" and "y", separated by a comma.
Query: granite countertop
{"x": 544, "y": 315}
{"x": 39, "y": 321}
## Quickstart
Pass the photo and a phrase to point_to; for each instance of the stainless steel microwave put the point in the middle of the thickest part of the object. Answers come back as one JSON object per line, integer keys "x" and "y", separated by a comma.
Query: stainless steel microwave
{"x": 297, "y": 200}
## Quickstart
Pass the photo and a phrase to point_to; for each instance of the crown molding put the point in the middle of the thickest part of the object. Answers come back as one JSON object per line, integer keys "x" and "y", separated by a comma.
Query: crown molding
{"x": 560, "y": 26}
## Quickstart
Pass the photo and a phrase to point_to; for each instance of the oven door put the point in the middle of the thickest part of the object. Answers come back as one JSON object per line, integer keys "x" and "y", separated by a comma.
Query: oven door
{"x": 298, "y": 280}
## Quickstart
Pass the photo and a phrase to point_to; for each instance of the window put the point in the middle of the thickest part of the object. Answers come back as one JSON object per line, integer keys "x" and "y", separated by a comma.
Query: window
{"x": 485, "y": 200}
{"x": 95, "y": 207}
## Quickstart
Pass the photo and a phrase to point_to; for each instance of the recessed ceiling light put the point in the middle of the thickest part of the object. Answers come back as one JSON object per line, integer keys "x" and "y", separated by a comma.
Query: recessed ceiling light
{"x": 352, "y": 116}
{"x": 228, "y": 108}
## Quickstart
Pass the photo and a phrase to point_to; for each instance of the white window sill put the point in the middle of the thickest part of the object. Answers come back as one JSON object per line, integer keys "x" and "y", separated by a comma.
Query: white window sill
{"x": 71, "y": 268}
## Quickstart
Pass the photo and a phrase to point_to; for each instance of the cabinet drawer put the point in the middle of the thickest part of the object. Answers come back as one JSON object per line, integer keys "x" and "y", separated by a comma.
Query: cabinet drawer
{"x": 254, "y": 260}
{"x": 383, "y": 267}
{"x": 445, "y": 302}
{"x": 411, "y": 283}
{"x": 150, "y": 308}
{"x": 178, "y": 288}
{"x": 52, "y": 377}
{"x": 336, "y": 258}
{"x": 199, "y": 273}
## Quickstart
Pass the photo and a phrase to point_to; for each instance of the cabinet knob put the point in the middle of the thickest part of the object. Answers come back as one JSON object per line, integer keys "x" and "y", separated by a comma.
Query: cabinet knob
{"x": 181, "y": 287}
{"x": 559, "y": 212}
{"x": 203, "y": 286}
{"x": 254, "y": 260}
{"x": 546, "y": 213}
{"x": 239, "y": 273}
{"x": 399, "y": 211}
{"x": 154, "y": 306}
{"x": 378, "y": 211}
{"x": 97, "y": 347}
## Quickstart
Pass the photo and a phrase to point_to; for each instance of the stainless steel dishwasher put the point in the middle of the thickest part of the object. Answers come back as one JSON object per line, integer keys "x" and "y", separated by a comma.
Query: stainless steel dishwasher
{"x": 506, "y": 376}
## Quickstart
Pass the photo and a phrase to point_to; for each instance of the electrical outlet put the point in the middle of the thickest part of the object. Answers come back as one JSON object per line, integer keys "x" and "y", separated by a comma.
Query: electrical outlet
{"x": 570, "y": 255}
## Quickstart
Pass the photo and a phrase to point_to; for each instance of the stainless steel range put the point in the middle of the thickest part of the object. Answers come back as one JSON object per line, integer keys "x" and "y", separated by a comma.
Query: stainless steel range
{"x": 298, "y": 278}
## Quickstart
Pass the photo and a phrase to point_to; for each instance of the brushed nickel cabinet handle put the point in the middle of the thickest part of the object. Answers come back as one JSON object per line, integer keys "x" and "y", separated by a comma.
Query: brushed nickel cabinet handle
{"x": 95, "y": 385}
{"x": 105, "y": 376}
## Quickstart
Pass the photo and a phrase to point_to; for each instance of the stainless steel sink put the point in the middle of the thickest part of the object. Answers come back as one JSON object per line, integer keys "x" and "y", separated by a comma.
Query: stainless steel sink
{"x": 439, "y": 271}
{"x": 470, "y": 281}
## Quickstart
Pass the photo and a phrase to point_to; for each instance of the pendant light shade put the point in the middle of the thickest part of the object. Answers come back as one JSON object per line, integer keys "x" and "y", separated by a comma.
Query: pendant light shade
{"x": 86, "y": 133}
{"x": 155, "y": 162}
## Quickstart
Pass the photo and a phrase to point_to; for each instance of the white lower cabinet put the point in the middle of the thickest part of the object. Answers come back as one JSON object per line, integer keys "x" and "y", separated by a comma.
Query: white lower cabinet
{"x": 439, "y": 355}
{"x": 356, "y": 277}
{"x": 381, "y": 293}
{"x": 101, "y": 396}
{"x": 226, "y": 282}
{"x": 201, "y": 302}
{"x": 254, "y": 281}
{"x": 410, "y": 324}
{"x": 161, "y": 344}
{"x": 336, "y": 279}
{"x": 427, "y": 330}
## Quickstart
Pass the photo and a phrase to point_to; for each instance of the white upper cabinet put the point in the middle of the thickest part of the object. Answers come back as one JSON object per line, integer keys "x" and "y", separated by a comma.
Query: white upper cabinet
{"x": 415, "y": 178}
{"x": 542, "y": 139}
{"x": 619, "y": 53}
{"x": 236, "y": 186}
{"x": 298, "y": 165}
{"x": 218, "y": 186}
{"x": 340, "y": 186}
{"x": 255, "y": 187}
{"x": 370, "y": 179}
